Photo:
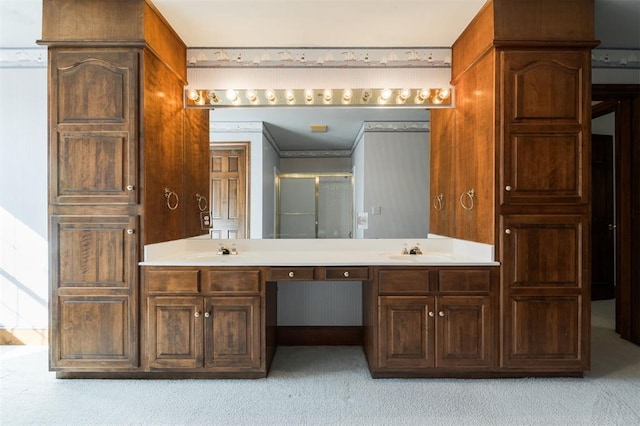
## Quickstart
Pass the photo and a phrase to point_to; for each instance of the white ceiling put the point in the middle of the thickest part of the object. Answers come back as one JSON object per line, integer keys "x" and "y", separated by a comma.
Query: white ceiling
{"x": 321, "y": 23}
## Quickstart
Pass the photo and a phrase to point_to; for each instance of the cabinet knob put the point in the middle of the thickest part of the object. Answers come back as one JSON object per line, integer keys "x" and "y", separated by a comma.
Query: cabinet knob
{"x": 129, "y": 187}
{"x": 197, "y": 314}
{"x": 130, "y": 231}
{"x": 431, "y": 314}
{"x": 507, "y": 231}
{"x": 207, "y": 314}
{"x": 441, "y": 313}
{"x": 346, "y": 274}
{"x": 291, "y": 274}
{"x": 507, "y": 188}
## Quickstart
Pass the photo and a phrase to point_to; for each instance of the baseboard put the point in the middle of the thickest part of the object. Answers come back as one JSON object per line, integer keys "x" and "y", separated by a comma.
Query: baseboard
{"x": 24, "y": 336}
{"x": 320, "y": 335}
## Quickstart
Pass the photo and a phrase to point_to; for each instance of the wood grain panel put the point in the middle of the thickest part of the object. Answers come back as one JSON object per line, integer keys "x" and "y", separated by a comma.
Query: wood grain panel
{"x": 232, "y": 281}
{"x": 404, "y": 281}
{"x": 94, "y": 251}
{"x": 545, "y": 251}
{"x": 545, "y": 328}
{"x": 95, "y": 330}
{"x": 404, "y": 332}
{"x": 93, "y": 90}
{"x": 164, "y": 280}
{"x": 233, "y": 333}
{"x": 464, "y": 332}
{"x": 174, "y": 333}
{"x": 467, "y": 280}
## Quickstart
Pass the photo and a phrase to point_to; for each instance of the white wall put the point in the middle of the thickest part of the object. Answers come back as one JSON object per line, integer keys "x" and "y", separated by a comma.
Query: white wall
{"x": 396, "y": 184}
{"x": 23, "y": 198}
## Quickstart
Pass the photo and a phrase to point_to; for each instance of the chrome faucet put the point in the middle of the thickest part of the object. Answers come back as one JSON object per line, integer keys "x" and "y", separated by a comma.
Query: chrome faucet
{"x": 225, "y": 250}
{"x": 413, "y": 250}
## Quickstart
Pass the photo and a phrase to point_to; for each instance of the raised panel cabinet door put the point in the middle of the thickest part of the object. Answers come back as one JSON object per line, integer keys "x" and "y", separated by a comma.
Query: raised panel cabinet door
{"x": 405, "y": 332}
{"x": 546, "y": 115}
{"x": 545, "y": 284}
{"x": 93, "y": 251}
{"x": 174, "y": 332}
{"x": 464, "y": 331}
{"x": 546, "y": 332}
{"x": 232, "y": 332}
{"x": 93, "y": 332}
{"x": 93, "y": 141}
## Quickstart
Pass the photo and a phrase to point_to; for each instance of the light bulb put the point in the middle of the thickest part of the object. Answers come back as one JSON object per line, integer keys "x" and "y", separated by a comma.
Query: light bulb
{"x": 386, "y": 94}
{"x": 366, "y": 95}
{"x": 444, "y": 93}
{"x": 290, "y": 96}
{"x": 251, "y": 96}
{"x": 193, "y": 94}
{"x": 308, "y": 96}
{"x": 327, "y": 95}
{"x": 346, "y": 96}
{"x": 231, "y": 95}
{"x": 270, "y": 95}
{"x": 423, "y": 95}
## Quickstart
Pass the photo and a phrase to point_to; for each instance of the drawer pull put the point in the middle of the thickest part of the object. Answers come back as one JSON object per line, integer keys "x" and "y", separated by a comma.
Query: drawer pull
{"x": 507, "y": 231}
{"x": 291, "y": 274}
{"x": 441, "y": 313}
{"x": 197, "y": 314}
{"x": 207, "y": 314}
{"x": 507, "y": 188}
{"x": 346, "y": 274}
{"x": 130, "y": 231}
{"x": 129, "y": 187}
{"x": 431, "y": 314}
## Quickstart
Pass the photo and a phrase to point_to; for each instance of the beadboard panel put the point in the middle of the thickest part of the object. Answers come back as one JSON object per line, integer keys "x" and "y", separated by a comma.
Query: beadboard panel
{"x": 314, "y": 303}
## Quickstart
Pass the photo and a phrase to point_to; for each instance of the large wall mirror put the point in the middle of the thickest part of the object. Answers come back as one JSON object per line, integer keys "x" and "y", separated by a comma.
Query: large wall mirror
{"x": 370, "y": 165}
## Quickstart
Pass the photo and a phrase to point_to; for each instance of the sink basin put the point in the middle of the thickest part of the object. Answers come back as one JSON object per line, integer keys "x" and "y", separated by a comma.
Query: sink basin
{"x": 416, "y": 258}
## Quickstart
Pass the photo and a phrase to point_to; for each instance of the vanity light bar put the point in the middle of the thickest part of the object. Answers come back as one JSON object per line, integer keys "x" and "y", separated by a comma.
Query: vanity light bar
{"x": 387, "y": 97}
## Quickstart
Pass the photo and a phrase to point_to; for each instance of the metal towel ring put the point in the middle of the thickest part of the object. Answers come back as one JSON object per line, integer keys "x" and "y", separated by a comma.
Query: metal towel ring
{"x": 438, "y": 202}
{"x": 471, "y": 194}
{"x": 168, "y": 194}
{"x": 200, "y": 198}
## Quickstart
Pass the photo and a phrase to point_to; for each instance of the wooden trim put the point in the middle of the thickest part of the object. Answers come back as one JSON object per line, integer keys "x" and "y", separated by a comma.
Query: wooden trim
{"x": 320, "y": 335}
{"x": 624, "y": 101}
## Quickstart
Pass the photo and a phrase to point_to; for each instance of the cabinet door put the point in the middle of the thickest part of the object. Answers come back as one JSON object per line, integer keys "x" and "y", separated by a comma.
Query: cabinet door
{"x": 93, "y": 274}
{"x": 546, "y": 308}
{"x": 464, "y": 331}
{"x": 174, "y": 332}
{"x": 232, "y": 332}
{"x": 405, "y": 332}
{"x": 543, "y": 151}
{"x": 93, "y": 152}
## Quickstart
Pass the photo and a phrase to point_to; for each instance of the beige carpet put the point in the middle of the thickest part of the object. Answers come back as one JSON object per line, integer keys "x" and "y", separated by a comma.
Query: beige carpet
{"x": 328, "y": 386}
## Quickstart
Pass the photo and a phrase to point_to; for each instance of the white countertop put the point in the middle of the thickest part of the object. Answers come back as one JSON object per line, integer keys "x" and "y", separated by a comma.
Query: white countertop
{"x": 201, "y": 251}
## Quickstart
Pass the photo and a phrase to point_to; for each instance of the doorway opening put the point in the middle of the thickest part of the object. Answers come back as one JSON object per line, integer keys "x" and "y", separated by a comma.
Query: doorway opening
{"x": 623, "y": 101}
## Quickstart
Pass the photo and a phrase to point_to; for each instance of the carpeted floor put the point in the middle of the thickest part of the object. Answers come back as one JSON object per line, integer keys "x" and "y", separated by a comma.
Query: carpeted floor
{"x": 329, "y": 386}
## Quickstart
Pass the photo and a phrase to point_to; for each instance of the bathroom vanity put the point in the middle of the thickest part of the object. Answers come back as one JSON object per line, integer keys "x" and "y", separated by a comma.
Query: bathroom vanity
{"x": 209, "y": 314}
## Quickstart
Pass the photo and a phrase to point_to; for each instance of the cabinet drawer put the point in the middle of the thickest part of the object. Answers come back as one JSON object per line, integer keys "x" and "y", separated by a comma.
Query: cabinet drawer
{"x": 346, "y": 273}
{"x": 172, "y": 280}
{"x": 283, "y": 274}
{"x": 464, "y": 280}
{"x": 403, "y": 282}
{"x": 232, "y": 281}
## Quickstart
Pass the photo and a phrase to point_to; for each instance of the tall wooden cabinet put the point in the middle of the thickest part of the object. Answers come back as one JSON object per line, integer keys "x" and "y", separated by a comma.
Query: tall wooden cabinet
{"x": 521, "y": 72}
{"x": 119, "y": 140}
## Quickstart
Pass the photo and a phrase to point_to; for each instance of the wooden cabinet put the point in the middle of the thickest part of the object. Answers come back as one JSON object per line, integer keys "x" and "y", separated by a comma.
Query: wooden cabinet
{"x": 432, "y": 322}
{"x": 115, "y": 104}
{"x": 204, "y": 320}
{"x": 521, "y": 137}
